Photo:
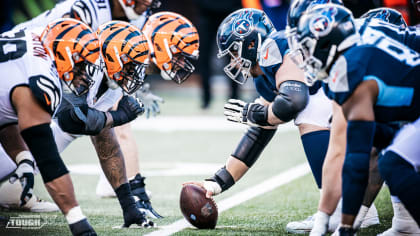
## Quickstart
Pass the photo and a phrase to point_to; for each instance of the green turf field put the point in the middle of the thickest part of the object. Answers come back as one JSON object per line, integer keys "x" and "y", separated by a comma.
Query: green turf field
{"x": 267, "y": 214}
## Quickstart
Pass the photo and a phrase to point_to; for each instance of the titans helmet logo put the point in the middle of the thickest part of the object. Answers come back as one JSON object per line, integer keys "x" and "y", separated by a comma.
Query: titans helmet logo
{"x": 383, "y": 15}
{"x": 321, "y": 24}
{"x": 241, "y": 27}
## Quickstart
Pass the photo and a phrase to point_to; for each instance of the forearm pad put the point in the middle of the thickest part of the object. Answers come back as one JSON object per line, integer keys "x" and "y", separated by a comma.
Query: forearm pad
{"x": 292, "y": 99}
{"x": 40, "y": 141}
{"x": 252, "y": 144}
{"x": 223, "y": 178}
{"x": 82, "y": 120}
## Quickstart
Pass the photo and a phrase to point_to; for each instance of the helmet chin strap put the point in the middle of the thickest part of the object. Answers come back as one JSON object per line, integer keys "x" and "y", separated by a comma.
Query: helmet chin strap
{"x": 165, "y": 75}
{"x": 129, "y": 11}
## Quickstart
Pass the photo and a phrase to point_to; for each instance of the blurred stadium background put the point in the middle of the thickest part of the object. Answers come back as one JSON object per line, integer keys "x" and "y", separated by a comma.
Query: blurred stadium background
{"x": 191, "y": 139}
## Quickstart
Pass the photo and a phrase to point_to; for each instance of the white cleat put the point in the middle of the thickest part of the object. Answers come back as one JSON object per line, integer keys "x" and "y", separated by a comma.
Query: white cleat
{"x": 301, "y": 227}
{"x": 104, "y": 188}
{"x": 402, "y": 223}
{"x": 371, "y": 218}
{"x": 10, "y": 198}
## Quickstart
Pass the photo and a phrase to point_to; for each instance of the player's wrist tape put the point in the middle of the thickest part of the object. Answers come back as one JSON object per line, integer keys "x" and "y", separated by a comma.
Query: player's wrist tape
{"x": 25, "y": 157}
{"x": 223, "y": 178}
{"x": 41, "y": 143}
{"x": 292, "y": 99}
{"x": 252, "y": 144}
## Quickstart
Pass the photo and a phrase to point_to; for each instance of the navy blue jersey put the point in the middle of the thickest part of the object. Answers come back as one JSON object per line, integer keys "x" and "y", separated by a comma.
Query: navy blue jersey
{"x": 409, "y": 36}
{"x": 271, "y": 56}
{"x": 270, "y": 59}
{"x": 395, "y": 68}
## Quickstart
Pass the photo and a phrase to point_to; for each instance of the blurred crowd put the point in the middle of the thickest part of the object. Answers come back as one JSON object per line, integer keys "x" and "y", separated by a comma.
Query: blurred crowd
{"x": 207, "y": 15}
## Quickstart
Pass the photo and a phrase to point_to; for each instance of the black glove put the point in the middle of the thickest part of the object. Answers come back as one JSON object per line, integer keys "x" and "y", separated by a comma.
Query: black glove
{"x": 252, "y": 114}
{"x": 128, "y": 109}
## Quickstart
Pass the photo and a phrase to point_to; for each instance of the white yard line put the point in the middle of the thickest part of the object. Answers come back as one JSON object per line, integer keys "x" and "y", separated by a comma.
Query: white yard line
{"x": 193, "y": 123}
{"x": 243, "y": 196}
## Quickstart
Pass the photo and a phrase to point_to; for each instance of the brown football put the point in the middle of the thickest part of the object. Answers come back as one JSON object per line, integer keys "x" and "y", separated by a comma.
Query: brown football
{"x": 196, "y": 208}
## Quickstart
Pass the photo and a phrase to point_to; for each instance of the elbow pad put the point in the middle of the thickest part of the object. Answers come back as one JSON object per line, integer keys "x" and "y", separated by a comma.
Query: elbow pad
{"x": 252, "y": 144}
{"x": 292, "y": 99}
{"x": 82, "y": 120}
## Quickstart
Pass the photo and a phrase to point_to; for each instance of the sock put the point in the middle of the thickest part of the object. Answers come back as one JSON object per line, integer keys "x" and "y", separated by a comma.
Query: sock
{"x": 315, "y": 145}
{"x": 74, "y": 215}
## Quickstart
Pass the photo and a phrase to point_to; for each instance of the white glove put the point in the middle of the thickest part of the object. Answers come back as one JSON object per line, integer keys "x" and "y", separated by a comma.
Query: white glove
{"x": 252, "y": 114}
{"x": 25, "y": 173}
{"x": 150, "y": 101}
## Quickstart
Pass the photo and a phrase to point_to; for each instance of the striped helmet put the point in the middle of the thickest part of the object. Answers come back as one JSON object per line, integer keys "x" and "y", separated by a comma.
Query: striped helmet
{"x": 74, "y": 47}
{"x": 125, "y": 52}
{"x": 173, "y": 40}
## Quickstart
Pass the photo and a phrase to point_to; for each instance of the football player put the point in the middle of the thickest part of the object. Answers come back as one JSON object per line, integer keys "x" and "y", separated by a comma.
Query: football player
{"x": 402, "y": 221}
{"x": 357, "y": 81}
{"x": 95, "y": 13}
{"x": 257, "y": 51}
{"x": 32, "y": 95}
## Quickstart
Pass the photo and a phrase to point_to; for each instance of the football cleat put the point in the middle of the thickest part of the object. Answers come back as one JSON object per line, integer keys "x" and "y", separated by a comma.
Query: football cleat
{"x": 9, "y": 199}
{"x": 402, "y": 223}
{"x": 143, "y": 203}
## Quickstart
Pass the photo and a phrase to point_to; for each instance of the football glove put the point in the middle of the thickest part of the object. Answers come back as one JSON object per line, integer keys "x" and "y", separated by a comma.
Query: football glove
{"x": 150, "y": 100}
{"x": 252, "y": 114}
{"x": 128, "y": 109}
{"x": 25, "y": 173}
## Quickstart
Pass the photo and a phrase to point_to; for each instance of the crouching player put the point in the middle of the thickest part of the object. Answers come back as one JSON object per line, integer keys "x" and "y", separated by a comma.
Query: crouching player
{"x": 263, "y": 54}
{"x": 355, "y": 80}
{"x": 125, "y": 51}
{"x": 32, "y": 94}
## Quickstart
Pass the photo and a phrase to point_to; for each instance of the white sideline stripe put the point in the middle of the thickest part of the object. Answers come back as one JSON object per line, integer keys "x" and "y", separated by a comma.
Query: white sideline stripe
{"x": 243, "y": 196}
{"x": 193, "y": 123}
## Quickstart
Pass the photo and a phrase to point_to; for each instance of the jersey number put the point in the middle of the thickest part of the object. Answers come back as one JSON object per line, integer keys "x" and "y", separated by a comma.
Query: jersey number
{"x": 12, "y": 47}
{"x": 392, "y": 47}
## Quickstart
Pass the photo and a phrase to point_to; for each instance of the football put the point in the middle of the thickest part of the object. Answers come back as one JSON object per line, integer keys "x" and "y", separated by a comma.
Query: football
{"x": 196, "y": 208}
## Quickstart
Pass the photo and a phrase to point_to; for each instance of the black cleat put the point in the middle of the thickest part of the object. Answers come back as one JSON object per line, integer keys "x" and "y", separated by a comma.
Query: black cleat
{"x": 344, "y": 231}
{"x": 82, "y": 228}
{"x": 134, "y": 216}
{"x": 143, "y": 203}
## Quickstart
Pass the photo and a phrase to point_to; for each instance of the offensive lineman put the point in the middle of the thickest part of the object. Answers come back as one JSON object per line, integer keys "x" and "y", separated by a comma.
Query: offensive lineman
{"x": 364, "y": 97}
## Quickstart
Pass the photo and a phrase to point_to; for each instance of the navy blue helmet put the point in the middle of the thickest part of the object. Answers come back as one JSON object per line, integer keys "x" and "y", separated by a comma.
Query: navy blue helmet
{"x": 240, "y": 35}
{"x": 296, "y": 10}
{"x": 386, "y": 14}
{"x": 323, "y": 32}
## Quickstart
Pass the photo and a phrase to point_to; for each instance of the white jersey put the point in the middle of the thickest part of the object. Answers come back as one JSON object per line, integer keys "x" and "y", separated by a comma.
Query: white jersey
{"x": 24, "y": 62}
{"x": 92, "y": 12}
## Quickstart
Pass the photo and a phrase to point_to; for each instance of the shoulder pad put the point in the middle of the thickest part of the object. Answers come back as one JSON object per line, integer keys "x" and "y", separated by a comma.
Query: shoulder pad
{"x": 337, "y": 80}
{"x": 46, "y": 92}
{"x": 269, "y": 54}
{"x": 80, "y": 11}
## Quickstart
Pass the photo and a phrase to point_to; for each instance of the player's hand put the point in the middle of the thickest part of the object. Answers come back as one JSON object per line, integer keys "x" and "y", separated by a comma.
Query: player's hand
{"x": 132, "y": 215}
{"x": 212, "y": 188}
{"x": 25, "y": 174}
{"x": 252, "y": 114}
{"x": 128, "y": 109}
{"x": 150, "y": 100}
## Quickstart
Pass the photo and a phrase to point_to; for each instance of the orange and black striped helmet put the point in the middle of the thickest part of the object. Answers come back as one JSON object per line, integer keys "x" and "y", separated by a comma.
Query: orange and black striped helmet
{"x": 73, "y": 46}
{"x": 173, "y": 40}
{"x": 125, "y": 52}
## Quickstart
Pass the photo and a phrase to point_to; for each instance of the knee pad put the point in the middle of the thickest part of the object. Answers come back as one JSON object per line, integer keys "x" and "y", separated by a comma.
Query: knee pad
{"x": 41, "y": 143}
